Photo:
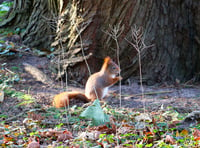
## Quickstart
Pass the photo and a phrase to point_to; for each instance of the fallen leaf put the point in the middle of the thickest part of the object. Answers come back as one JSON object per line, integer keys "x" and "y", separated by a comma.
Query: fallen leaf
{"x": 196, "y": 134}
{"x": 100, "y": 144}
{"x": 197, "y": 139}
{"x": 34, "y": 116}
{"x": 154, "y": 121}
{"x": 8, "y": 139}
{"x": 63, "y": 137}
{"x": 169, "y": 139}
{"x": 67, "y": 132}
{"x": 173, "y": 124}
{"x": 148, "y": 133}
{"x": 6, "y": 125}
{"x": 96, "y": 113}
{"x": 125, "y": 128}
{"x": 148, "y": 137}
{"x": 177, "y": 134}
{"x": 143, "y": 117}
{"x": 104, "y": 129}
{"x": 108, "y": 128}
{"x": 60, "y": 135}
{"x": 184, "y": 132}
{"x": 92, "y": 135}
{"x": 33, "y": 144}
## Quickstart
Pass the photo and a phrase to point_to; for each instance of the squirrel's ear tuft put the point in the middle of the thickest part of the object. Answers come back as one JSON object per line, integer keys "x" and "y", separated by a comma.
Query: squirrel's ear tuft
{"x": 107, "y": 59}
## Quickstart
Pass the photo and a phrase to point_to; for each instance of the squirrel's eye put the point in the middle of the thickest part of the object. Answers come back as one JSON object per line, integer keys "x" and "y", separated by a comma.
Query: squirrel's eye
{"x": 113, "y": 67}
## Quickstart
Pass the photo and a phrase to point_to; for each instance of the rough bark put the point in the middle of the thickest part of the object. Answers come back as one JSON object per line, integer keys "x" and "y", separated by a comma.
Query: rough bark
{"x": 173, "y": 26}
{"x": 18, "y": 15}
{"x": 42, "y": 25}
{"x": 36, "y": 18}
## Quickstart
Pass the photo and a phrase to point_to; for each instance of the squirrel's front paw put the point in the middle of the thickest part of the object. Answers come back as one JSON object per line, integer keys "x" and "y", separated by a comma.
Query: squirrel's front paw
{"x": 120, "y": 78}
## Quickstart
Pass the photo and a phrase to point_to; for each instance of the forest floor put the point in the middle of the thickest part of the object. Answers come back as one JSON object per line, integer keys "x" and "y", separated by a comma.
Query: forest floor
{"x": 183, "y": 98}
{"x": 26, "y": 110}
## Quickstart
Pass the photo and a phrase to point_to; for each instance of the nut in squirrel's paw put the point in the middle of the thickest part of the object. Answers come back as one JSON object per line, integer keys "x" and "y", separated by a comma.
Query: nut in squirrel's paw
{"x": 120, "y": 78}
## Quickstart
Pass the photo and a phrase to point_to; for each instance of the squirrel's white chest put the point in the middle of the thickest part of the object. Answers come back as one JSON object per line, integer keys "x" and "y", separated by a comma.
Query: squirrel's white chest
{"x": 104, "y": 92}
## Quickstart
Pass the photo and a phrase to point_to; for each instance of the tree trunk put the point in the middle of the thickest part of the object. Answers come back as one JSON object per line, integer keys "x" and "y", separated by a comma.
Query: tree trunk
{"x": 36, "y": 17}
{"x": 172, "y": 26}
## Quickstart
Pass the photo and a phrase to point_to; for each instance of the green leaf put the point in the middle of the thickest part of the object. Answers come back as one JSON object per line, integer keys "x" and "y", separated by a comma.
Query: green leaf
{"x": 102, "y": 135}
{"x": 149, "y": 145}
{"x": 95, "y": 113}
{"x": 139, "y": 145}
{"x": 59, "y": 125}
{"x": 2, "y": 41}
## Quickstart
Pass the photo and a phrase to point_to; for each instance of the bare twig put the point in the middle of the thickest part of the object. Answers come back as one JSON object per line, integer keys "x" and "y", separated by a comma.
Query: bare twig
{"x": 62, "y": 56}
{"x": 14, "y": 117}
{"x": 82, "y": 49}
{"x": 114, "y": 33}
{"x": 138, "y": 42}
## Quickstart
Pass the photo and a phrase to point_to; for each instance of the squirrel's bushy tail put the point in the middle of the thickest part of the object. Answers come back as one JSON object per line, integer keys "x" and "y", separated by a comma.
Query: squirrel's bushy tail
{"x": 62, "y": 99}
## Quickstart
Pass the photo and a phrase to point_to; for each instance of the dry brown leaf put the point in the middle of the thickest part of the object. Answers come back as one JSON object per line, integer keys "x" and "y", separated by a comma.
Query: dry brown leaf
{"x": 173, "y": 124}
{"x": 154, "y": 121}
{"x": 177, "y": 134}
{"x": 67, "y": 132}
{"x": 155, "y": 113}
{"x": 7, "y": 139}
{"x": 143, "y": 117}
{"x": 33, "y": 144}
{"x": 125, "y": 128}
{"x": 184, "y": 132}
{"x": 148, "y": 136}
{"x": 92, "y": 135}
{"x": 104, "y": 129}
{"x": 63, "y": 137}
{"x": 60, "y": 135}
{"x": 49, "y": 133}
{"x": 196, "y": 134}
{"x": 170, "y": 139}
{"x": 34, "y": 116}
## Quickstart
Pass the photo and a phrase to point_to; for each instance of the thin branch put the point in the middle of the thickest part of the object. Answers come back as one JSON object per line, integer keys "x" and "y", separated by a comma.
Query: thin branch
{"x": 138, "y": 43}
{"x": 114, "y": 33}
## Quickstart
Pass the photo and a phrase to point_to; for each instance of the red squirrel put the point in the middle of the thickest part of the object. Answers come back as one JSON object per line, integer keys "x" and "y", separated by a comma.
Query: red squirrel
{"x": 96, "y": 86}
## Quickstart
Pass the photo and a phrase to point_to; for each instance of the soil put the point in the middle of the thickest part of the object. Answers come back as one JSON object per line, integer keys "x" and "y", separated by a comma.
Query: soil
{"x": 183, "y": 99}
